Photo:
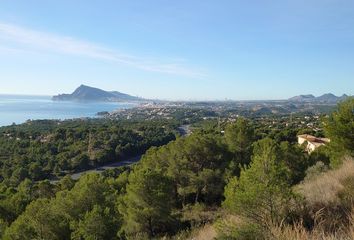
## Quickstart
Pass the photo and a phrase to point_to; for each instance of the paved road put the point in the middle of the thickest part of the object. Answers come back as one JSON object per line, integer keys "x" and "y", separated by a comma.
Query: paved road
{"x": 100, "y": 169}
{"x": 184, "y": 131}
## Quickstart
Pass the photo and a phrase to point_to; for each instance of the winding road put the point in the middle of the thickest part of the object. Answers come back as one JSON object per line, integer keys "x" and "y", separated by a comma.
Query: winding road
{"x": 184, "y": 130}
{"x": 100, "y": 169}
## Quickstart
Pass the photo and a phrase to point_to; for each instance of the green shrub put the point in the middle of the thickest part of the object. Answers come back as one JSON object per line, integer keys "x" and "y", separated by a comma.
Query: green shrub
{"x": 234, "y": 228}
{"x": 315, "y": 170}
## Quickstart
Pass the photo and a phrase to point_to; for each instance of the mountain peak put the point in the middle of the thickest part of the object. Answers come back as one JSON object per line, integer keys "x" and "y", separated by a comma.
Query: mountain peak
{"x": 304, "y": 97}
{"x": 327, "y": 97}
{"x": 86, "y": 86}
{"x": 87, "y": 93}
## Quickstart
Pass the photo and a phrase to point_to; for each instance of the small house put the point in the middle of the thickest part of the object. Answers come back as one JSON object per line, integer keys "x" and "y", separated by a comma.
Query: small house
{"x": 311, "y": 141}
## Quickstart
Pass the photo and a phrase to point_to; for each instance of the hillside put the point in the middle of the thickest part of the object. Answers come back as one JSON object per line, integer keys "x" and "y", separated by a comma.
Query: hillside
{"x": 241, "y": 179}
{"x": 325, "y": 98}
{"x": 303, "y": 98}
{"x": 86, "y": 93}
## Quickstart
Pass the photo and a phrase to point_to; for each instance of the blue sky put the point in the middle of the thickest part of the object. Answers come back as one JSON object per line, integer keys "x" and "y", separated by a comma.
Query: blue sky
{"x": 181, "y": 49}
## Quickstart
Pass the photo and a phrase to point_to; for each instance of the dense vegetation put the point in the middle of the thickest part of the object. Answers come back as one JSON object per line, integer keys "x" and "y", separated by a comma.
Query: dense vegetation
{"x": 244, "y": 182}
{"x": 40, "y": 149}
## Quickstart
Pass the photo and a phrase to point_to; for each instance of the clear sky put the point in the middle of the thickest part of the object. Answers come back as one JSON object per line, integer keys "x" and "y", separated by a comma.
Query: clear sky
{"x": 185, "y": 49}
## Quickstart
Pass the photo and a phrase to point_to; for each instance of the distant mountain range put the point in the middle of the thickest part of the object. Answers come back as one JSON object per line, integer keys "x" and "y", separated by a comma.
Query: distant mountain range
{"x": 325, "y": 98}
{"x": 86, "y": 93}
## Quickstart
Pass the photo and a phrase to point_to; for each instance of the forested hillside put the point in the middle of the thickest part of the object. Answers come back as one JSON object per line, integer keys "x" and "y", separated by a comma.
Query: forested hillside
{"x": 244, "y": 182}
{"x": 39, "y": 150}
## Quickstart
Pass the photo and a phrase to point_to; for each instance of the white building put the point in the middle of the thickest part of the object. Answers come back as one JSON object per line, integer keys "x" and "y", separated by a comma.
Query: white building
{"x": 311, "y": 141}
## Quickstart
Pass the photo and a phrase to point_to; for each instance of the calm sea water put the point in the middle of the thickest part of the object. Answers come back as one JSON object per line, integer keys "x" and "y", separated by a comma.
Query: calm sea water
{"x": 18, "y": 109}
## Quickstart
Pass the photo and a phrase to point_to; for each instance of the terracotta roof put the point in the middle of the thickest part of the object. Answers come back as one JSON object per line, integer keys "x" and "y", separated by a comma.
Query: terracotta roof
{"x": 314, "y": 139}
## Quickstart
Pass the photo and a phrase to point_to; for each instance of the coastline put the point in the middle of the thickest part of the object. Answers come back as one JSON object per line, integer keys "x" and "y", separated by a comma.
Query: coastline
{"x": 20, "y": 108}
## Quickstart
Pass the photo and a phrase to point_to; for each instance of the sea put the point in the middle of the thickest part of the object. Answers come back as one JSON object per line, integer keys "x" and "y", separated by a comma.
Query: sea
{"x": 18, "y": 108}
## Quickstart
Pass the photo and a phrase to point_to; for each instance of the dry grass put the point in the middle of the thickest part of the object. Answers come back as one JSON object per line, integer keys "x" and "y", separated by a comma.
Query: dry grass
{"x": 207, "y": 232}
{"x": 299, "y": 232}
{"x": 296, "y": 231}
{"x": 227, "y": 224}
{"x": 321, "y": 195}
{"x": 351, "y": 226}
{"x": 324, "y": 188}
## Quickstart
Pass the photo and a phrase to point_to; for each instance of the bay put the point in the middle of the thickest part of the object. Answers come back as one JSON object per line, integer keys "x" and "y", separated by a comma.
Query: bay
{"x": 18, "y": 108}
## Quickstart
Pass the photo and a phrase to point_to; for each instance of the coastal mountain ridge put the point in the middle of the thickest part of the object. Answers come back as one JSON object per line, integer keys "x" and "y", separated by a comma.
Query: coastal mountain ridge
{"x": 327, "y": 98}
{"x": 86, "y": 93}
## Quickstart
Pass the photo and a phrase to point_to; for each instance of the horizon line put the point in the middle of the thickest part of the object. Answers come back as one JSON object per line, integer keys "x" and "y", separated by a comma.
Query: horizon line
{"x": 185, "y": 100}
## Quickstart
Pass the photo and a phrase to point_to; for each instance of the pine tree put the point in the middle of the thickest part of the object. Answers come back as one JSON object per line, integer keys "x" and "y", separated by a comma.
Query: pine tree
{"x": 261, "y": 193}
{"x": 148, "y": 204}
